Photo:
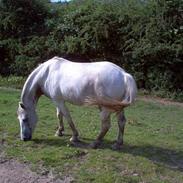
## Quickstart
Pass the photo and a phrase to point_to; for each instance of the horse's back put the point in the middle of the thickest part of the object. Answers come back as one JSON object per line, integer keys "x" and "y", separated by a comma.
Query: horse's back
{"x": 104, "y": 70}
{"x": 61, "y": 63}
{"x": 74, "y": 82}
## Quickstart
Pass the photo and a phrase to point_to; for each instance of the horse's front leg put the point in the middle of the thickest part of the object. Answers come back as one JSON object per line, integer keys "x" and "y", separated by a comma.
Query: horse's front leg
{"x": 60, "y": 130}
{"x": 105, "y": 125}
{"x": 67, "y": 116}
{"x": 121, "y": 125}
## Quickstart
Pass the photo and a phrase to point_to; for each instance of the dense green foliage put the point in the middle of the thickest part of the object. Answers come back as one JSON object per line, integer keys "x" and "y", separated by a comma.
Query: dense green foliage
{"x": 145, "y": 37}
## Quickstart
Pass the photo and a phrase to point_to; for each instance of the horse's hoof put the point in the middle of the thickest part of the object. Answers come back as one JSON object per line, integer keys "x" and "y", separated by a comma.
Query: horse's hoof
{"x": 94, "y": 145}
{"x": 59, "y": 133}
{"x": 117, "y": 146}
{"x": 74, "y": 139}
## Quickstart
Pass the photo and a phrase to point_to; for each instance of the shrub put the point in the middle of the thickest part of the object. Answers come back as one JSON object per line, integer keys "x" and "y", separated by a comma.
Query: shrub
{"x": 144, "y": 37}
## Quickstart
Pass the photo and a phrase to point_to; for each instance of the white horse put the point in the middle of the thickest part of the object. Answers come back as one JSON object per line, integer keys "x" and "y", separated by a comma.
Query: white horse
{"x": 103, "y": 84}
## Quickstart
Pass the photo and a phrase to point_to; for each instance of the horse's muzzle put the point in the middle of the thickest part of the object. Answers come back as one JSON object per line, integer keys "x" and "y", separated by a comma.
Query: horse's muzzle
{"x": 27, "y": 138}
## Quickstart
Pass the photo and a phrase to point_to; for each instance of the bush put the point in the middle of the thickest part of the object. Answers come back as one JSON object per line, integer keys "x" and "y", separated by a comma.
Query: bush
{"x": 144, "y": 37}
{"x": 12, "y": 82}
{"x": 22, "y": 23}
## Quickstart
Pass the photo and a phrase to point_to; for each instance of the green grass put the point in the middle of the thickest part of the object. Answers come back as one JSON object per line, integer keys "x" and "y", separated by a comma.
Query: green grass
{"x": 153, "y": 149}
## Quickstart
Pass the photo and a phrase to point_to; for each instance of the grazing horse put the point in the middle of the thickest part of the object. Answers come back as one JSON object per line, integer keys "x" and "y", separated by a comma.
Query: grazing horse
{"x": 102, "y": 84}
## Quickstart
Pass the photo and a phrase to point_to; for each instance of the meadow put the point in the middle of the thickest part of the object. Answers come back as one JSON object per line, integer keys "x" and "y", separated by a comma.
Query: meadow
{"x": 152, "y": 152}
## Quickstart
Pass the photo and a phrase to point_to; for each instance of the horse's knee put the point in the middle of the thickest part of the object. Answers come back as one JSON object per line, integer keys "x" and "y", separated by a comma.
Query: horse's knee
{"x": 59, "y": 115}
{"x": 106, "y": 125}
{"x": 121, "y": 120}
{"x": 105, "y": 119}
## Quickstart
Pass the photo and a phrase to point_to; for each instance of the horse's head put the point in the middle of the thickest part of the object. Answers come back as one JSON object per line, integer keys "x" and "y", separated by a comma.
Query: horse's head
{"x": 27, "y": 118}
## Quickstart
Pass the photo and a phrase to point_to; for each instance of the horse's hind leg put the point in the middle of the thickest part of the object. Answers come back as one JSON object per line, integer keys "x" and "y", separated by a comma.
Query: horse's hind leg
{"x": 67, "y": 116}
{"x": 105, "y": 125}
{"x": 60, "y": 129}
{"x": 121, "y": 124}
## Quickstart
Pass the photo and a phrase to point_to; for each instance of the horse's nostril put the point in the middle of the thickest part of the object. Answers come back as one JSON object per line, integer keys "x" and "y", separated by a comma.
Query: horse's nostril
{"x": 27, "y": 138}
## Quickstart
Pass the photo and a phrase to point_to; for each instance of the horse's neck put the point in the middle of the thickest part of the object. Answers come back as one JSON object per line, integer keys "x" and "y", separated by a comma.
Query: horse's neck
{"x": 30, "y": 92}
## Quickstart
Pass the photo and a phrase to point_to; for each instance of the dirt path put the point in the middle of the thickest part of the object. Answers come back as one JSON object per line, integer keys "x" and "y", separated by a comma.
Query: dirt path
{"x": 159, "y": 100}
{"x": 11, "y": 171}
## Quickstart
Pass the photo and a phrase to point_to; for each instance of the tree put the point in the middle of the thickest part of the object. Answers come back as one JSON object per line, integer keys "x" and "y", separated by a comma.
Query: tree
{"x": 20, "y": 20}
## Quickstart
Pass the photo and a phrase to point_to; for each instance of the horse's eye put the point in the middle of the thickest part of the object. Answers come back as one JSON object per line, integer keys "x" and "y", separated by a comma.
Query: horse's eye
{"x": 25, "y": 120}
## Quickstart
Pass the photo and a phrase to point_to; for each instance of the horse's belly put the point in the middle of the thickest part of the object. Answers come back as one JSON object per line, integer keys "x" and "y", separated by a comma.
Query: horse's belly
{"x": 77, "y": 93}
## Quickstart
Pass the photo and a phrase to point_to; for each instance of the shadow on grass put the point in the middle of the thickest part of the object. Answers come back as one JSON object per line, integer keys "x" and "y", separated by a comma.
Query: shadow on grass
{"x": 168, "y": 158}
{"x": 56, "y": 142}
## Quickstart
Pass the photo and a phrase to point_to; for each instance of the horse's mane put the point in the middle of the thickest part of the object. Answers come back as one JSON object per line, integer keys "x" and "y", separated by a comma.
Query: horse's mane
{"x": 29, "y": 84}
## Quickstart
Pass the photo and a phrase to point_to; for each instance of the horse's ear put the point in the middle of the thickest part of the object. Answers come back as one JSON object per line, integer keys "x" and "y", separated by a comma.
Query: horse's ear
{"x": 21, "y": 105}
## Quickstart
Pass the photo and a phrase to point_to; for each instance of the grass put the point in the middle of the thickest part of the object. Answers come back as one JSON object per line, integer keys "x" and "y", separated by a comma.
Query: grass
{"x": 153, "y": 149}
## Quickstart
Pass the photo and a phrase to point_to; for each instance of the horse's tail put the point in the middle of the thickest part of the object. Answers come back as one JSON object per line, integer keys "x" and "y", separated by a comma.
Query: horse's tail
{"x": 131, "y": 90}
{"x": 115, "y": 105}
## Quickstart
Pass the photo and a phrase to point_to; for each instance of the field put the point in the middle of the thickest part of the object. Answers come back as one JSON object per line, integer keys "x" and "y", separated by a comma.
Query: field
{"x": 153, "y": 149}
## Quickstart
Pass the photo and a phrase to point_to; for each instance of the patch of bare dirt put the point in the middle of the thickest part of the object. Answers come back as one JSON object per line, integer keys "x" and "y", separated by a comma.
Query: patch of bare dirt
{"x": 160, "y": 100}
{"x": 11, "y": 171}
